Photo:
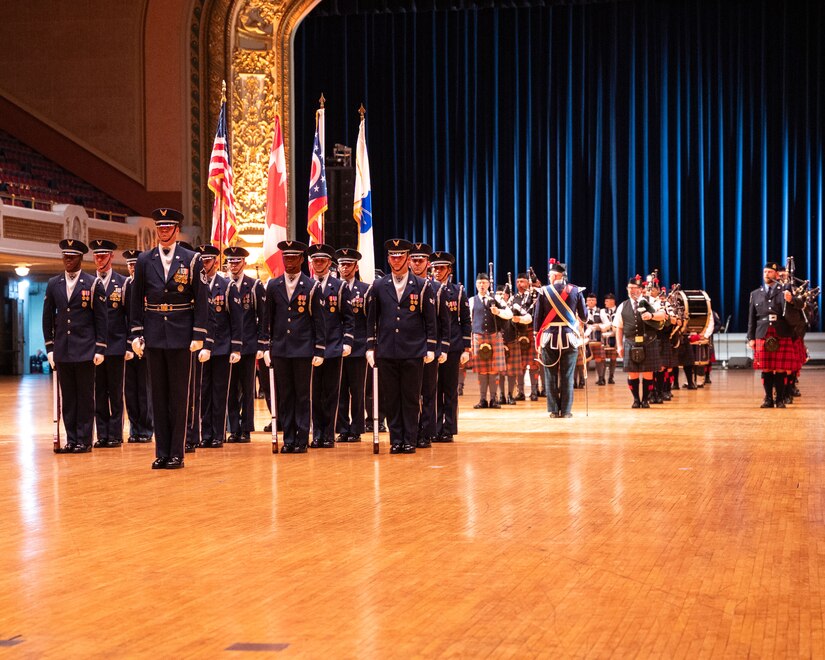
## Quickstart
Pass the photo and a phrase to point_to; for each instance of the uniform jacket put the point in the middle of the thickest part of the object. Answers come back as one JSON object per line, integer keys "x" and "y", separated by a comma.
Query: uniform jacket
{"x": 357, "y": 303}
{"x": 766, "y": 310}
{"x": 253, "y": 298}
{"x": 117, "y": 333}
{"x": 226, "y": 317}
{"x": 443, "y": 318}
{"x": 75, "y": 328}
{"x": 296, "y": 326}
{"x": 458, "y": 305}
{"x": 559, "y": 331}
{"x": 337, "y": 314}
{"x": 184, "y": 288}
{"x": 405, "y": 329}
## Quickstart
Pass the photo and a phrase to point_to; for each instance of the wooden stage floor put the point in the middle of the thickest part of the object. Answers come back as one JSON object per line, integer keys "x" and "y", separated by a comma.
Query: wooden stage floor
{"x": 693, "y": 529}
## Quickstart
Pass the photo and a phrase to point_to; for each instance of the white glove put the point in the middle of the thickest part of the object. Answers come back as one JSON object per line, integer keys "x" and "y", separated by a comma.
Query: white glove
{"x": 259, "y": 355}
{"x": 526, "y": 319}
{"x": 442, "y": 358}
{"x": 371, "y": 358}
{"x": 128, "y": 356}
{"x": 347, "y": 350}
{"x": 98, "y": 359}
{"x": 137, "y": 346}
{"x": 50, "y": 358}
{"x": 195, "y": 345}
{"x": 494, "y": 310}
{"x": 317, "y": 361}
{"x": 465, "y": 357}
{"x": 267, "y": 358}
{"x": 429, "y": 357}
{"x": 236, "y": 357}
{"x": 204, "y": 355}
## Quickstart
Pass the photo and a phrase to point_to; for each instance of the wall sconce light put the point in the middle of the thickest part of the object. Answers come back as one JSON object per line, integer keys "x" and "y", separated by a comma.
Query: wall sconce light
{"x": 21, "y": 271}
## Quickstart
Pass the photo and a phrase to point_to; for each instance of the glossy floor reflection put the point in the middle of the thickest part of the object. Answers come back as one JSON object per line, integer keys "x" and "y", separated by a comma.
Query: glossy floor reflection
{"x": 691, "y": 529}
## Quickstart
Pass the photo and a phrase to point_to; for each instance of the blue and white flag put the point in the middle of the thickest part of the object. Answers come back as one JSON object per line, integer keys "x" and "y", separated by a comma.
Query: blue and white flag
{"x": 362, "y": 208}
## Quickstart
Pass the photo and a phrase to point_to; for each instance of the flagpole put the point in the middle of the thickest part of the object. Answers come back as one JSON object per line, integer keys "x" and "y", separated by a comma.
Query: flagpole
{"x": 226, "y": 138}
{"x": 323, "y": 134}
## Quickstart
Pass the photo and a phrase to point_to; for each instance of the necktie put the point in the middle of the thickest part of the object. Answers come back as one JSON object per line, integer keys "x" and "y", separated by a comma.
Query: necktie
{"x": 166, "y": 251}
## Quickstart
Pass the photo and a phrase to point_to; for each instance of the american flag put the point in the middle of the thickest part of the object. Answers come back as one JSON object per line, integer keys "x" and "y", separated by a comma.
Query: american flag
{"x": 317, "y": 184}
{"x": 224, "y": 222}
{"x": 276, "y": 203}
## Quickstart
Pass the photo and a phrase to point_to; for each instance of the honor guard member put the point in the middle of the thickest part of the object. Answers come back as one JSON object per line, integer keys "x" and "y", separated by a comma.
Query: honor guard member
{"x": 169, "y": 318}
{"x": 74, "y": 327}
{"x": 402, "y": 338}
{"x": 226, "y": 316}
{"x": 295, "y": 328}
{"x": 593, "y": 334}
{"x": 338, "y": 324}
{"x": 241, "y": 408}
{"x": 557, "y": 317}
{"x": 636, "y": 324}
{"x": 136, "y": 380}
{"x": 427, "y": 426}
{"x": 458, "y": 305}
{"x": 350, "y": 423}
{"x": 109, "y": 375}
{"x": 488, "y": 346}
{"x": 609, "y": 336}
{"x": 770, "y": 336}
{"x": 522, "y": 306}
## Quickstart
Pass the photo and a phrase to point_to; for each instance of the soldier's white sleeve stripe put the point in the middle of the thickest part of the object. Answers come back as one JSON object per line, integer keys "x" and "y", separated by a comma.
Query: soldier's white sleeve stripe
{"x": 445, "y": 342}
{"x": 320, "y": 348}
{"x": 349, "y": 334}
{"x": 198, "y": 330}
{"x": 103, "y": 344}
{"x": 209, "y": 340}
{"x": 431, "y": 341}
{"x": 236, "y": 341}
{"x": 371, "y": 338}
{"x": 49, "y": 343}
{"x": 137, "y": 328}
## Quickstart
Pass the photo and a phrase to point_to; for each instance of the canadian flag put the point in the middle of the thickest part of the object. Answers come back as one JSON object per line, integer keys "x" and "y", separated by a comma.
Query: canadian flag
{"x": 276, "y": 203}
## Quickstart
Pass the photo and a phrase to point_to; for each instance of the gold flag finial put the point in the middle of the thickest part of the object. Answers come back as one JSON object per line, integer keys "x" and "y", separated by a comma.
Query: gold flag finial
{"x": 362, "y": 111}
{"x": 223, "y": 91}
{"x": 322, "y": 100}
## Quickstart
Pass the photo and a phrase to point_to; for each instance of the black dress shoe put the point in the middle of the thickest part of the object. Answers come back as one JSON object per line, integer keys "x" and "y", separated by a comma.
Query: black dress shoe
{"x": 159, "y": 463}
{"x": 268, "y": 428}
{"x": 796, "y": 392}
{"x": 143, "y": 439}
{"x": 288, "y": 449}
{"x": 354, "y": 438}
{"x": 481, "y": 404}
{"x": 788, "y": 399}
{"x": 190, "y": 448}
{"x": 667, "y": 396}
{"x": 494, "y": 404}
{"x": 66, "y": 449}
{"x": 691, "y": 387}
{"x": 131, "y": 439}
{"x": 511, "y": 401}
{"x": 520, "y": 396}
{"x": 645, "y": 404}
{"x": 407, "y": 449}
{"x": 767, "y": 403}
{"x": 300, "y": 449}
{"x": 211, "y": 444}
{"x": 382, "y": 428}
{"x": 342, "y": 437}
{"x": 233, "y": 437}
{"x": 460, "y": 391}
{"x": 244, "y": 438}
{"x": 174, "y": 463}
{"x": 395, "y": 449}
{"x": 316, "y": 443}
{"x": 779, "y": 404}
{"x": 636, "y": 404}
{"x": 447, "y": 437}
{"x": 101, "y": 443}
{"x": 565, "y": 415}
{"x": 82, "y": 449}
{"x": 328, "y": 444}
{"x": 610, "y": 381}
{"x": 542, "y": 393}
{"x": 423, "y": 443}
{"x": 600, "y": 382}
{"x": 534, "y": 397}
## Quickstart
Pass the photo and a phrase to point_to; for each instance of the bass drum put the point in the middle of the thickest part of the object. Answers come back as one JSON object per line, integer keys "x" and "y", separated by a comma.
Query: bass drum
{"x": 698, "y": 314}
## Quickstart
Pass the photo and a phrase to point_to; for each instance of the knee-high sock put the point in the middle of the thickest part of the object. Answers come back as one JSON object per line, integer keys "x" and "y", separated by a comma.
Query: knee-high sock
{"x": 483, "y": 385}
{"x": 647, "y": 388}
{"x": 633, "y": 384}
{"x": 600, "y": 370}
{"x": 767, "y": 383}
{"x": 689, "y": 374}
{"x": 779, "y": 386}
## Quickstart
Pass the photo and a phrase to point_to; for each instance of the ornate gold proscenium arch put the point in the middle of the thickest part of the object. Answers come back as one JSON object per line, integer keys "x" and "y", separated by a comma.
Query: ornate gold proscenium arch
{"x": 248, "y": 43}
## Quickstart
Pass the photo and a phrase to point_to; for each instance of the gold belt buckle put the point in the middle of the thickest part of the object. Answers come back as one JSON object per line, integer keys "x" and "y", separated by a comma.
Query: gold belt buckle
{"x": 164, "y": 307}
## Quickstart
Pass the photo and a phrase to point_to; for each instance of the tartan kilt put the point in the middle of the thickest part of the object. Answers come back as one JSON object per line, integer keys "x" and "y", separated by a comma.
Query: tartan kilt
{"x": 496, "y": 363}
{"x": 802, "y": 351}
{"x": 783, "y": 359}
{"x": 528, "y": 353}
{"x": 652, "y": 361}
{"x": 596, "y": 350}
{"x": 512, "y": 359}
{"x": 668, "y": 354}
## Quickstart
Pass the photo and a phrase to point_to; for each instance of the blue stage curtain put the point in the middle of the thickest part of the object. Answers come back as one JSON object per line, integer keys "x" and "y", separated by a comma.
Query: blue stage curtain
{"x": 617, "y": 137}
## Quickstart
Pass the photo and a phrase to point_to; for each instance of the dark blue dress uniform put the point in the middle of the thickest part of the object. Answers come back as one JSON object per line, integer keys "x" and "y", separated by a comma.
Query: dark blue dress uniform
{"x": 226, "y": 316}
{"x": 109, "y": 374}
{"x": 457, "y": 303}
{"x": 169, "y": 312}
{"x": 350, "y": 422}
{"x": 559, "y": 352}
{"x": 75, "y": 330}
{"x": 242, "y": 380}
{"x": 136, "y": 379}
{"x": 295, "y": 327}
{"x": 326, "y": 379}
{"x": 401, "y": 332}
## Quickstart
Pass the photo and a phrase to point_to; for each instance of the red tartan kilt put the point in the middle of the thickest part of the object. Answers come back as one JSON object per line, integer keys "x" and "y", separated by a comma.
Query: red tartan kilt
{"x": 784, "y": 359}
{"x": 513, "y": 359}
{"x": 596, "y": 350}
{"x": 802, "y": 352}
{"x": 528, "y": 353}
{"x": 496, "y": 363}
